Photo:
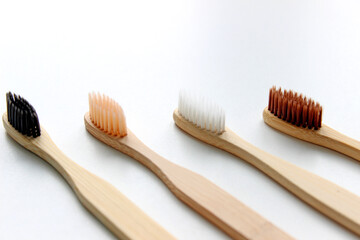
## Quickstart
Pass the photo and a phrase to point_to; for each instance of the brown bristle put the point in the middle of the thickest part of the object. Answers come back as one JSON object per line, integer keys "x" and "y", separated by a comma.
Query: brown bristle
{"x": 295, "y": 108}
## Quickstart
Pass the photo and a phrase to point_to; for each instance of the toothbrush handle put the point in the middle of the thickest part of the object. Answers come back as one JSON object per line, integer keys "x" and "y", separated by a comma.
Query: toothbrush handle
{"x": 337, "y": 141}
{"x": 209, "y": 200}
{"x": 325, "y": 136}
{"x": 218, "y": 206}
{"x": 332, "y": 139}
{"x": 327, "y": 197}
{"x": 103, "y": 200}
{"x": 114, "y": 210}
{"x": 108, "y": 204}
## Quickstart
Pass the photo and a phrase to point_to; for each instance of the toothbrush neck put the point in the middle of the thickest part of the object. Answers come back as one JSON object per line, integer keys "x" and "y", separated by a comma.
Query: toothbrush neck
{"x": 146, "y": 156}
{"x": 48, "y": 150}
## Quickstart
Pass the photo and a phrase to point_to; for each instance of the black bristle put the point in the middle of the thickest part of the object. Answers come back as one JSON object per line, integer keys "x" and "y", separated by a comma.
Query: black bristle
{"x": 18, "y": 119}
{"x": 22, "y": 115}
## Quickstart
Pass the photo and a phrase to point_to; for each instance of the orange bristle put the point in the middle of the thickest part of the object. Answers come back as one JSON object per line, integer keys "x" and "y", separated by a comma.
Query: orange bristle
{"x": 107, "y": 115}
{"x": 294, "y": 108}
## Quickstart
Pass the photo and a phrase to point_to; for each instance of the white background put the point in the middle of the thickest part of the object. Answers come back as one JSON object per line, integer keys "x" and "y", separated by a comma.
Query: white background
{"x": 141, "y": 53}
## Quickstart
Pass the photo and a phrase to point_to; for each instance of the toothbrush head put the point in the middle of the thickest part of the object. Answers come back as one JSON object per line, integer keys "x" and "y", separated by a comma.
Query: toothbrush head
{"x": 22, "y": 115}
{"x": 201, "y": 112}
{"x": 107, "y": 115}
{"x": 295, "y": 108}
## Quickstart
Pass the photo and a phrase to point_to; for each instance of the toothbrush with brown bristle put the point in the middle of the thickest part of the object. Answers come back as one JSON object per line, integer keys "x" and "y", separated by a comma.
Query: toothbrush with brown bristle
{"x": 206, "y": 121}
{"x": 297, "y": 116}
{"x": 113, "y": 209}
{"x": 106, "y": 122}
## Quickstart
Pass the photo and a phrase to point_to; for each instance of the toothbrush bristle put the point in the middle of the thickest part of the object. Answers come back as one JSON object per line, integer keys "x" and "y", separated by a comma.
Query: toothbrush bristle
{"x": 22, "y": 115}
{"x": 201, "y": 112}
{"x": 107, "y": 115}
{"x": 295, "y": 108}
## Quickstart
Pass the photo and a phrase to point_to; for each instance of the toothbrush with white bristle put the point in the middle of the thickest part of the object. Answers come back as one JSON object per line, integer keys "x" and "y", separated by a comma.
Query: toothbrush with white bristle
{"x": 209, "y": 200}
{"x": 328, "y": 198}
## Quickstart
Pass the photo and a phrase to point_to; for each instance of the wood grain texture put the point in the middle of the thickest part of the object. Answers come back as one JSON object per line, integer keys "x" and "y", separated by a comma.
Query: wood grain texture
{"x": 213, "y": 203}
{"x": 328, "y": 198}
{"x": 325, "y": 136}
{"x": 103, "y": 200}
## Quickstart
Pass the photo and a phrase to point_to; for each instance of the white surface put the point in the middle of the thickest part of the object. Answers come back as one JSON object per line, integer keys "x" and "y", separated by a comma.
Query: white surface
{"x": 142, "y": 53}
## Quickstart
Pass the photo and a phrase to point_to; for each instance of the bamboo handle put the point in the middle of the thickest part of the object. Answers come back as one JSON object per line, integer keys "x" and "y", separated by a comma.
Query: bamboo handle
{"x": 325, "y": 136}
{"x": 327, "y": 197}
{"x": 330, "y": 199}
{"x": 216, "y": 205}
{"x": 103, "y": 200}
{"x": 114, "y": 210}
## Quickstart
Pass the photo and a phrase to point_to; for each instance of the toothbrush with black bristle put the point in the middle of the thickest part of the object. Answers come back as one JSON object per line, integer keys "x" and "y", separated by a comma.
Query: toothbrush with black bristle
{"x": 106, "y": 122}
{"x": 205, "y": 121}
{"x": 104, "y": 201}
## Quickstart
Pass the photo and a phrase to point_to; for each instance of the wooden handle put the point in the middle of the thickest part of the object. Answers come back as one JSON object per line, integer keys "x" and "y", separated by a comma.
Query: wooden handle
{"x": 218, "y": 206}
{"x": 114, "y": 210}
{"x": 325, "y": 136}
{"x": 328, "y": 198}
{"x": 103, "y": 200}
{"x": 213, "y": 203}
{"x": 325, "y": 196}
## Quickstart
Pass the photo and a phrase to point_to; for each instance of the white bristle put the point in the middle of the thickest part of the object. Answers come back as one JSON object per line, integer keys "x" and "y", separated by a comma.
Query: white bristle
{"x": 202, "y": 112}
{"x": 107, "y": 115}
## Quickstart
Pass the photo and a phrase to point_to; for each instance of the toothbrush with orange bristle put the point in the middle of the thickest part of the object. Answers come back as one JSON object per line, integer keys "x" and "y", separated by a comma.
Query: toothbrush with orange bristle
{"x": 206, "y": 122}
{"x": 293, "y": 114}
{"x": 104, "y": 201}
{"x": 106, "y": 122}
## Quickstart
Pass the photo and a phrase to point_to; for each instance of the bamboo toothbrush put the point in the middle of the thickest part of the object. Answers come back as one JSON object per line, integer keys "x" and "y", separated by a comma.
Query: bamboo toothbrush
{"x": 293, "y": 114}
{"x": 206, "y": 121}
{"x": 106, "y": 122}
{"x": 103, "y": 200}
